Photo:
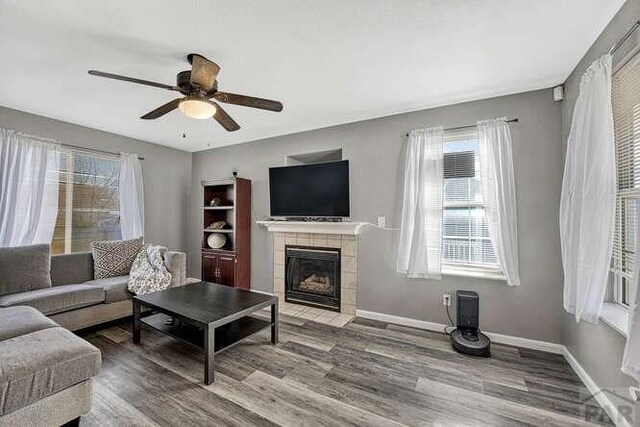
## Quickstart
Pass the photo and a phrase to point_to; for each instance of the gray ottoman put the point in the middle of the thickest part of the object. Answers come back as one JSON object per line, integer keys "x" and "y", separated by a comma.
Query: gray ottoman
{"x": 45, "y": 370}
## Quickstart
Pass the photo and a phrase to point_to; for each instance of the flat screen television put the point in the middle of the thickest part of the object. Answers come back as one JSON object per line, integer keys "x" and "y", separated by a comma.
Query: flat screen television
{"x": 314, "y": 190}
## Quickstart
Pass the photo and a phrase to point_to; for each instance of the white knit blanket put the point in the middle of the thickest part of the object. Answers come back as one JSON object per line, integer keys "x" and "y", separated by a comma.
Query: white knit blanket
{"x": 148, "y": 272}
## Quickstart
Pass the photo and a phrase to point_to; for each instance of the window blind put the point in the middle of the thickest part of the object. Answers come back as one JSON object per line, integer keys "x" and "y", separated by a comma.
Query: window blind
{"x": 88, "y": 203}
{"x": 460, "y": 164}
{"x": 466, "y": 240}
{"x": 626, "y": 117}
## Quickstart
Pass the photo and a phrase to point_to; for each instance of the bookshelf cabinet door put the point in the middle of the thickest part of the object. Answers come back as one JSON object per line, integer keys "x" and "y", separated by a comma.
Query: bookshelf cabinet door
{"x": 209, "y": 267}
{"x": 227, "y": 268}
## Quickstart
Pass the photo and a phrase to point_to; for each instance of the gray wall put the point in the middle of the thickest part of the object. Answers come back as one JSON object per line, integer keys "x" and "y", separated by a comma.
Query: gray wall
{"x": 167, "y": 171}
{"x": 374, "y": 148}
{"x": 598, "y": 348}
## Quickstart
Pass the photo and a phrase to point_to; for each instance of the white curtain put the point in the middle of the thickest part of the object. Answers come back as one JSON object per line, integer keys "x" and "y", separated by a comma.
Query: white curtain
{"x": 587, "y": 205}
{"x": 631, "y": 358}
{"x": 28, "y": 189}
{"x": 420, "y": 249}
{"x": 499, "y": 194}
{"x": 131, "y": 196}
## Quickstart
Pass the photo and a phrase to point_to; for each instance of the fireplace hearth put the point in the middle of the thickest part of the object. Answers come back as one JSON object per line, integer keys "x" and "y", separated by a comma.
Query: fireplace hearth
{"x": 312, "y": 276}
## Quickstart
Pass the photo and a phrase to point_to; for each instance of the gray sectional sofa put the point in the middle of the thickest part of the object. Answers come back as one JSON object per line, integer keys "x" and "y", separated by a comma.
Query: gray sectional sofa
{"x": 45, "y": 369}
{"x": 73, "y": 299}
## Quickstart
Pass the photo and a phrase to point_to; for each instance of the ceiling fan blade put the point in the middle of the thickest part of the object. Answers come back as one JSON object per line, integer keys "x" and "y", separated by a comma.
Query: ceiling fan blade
{"x": 131, "y": 80}
{"x": 162, "y": 110}
{"x": 224, "y": 119}
{"x": 248, "y": 101}
{"x": 203, "y": 72}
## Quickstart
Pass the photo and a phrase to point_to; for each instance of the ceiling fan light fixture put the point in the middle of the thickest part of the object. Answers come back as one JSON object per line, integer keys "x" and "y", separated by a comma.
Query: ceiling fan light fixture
{"x": 199, "y": 92}
{"x": 197, "y": 108}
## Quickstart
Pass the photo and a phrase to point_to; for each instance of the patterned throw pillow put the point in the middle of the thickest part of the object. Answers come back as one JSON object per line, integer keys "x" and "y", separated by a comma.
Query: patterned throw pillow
{"x": 114, "y": 258}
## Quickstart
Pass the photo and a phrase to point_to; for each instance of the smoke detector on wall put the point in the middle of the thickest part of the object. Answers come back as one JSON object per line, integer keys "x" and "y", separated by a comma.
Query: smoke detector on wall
{"x": 558, "y": 93}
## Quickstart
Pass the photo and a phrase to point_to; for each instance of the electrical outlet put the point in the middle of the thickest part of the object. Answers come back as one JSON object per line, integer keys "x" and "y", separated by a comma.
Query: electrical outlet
{"x": 446, "y": 299}
{"x": 382, "y": 221}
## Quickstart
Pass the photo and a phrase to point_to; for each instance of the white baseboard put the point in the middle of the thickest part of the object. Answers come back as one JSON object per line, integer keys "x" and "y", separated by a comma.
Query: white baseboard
{"x": 404, "y": 321}
{"x": 610, "y": 408}
{"x": 549, "y": 347}
{"x": 439, "y": 327}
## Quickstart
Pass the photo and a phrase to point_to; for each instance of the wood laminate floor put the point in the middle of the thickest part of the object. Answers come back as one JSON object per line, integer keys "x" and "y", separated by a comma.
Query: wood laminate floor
{"x": 365, "y": 373}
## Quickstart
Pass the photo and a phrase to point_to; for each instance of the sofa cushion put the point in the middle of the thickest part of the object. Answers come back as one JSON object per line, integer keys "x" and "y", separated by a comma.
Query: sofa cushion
{"x": 16, "y": 321}
{"x": 114, "y": 258}
{"x": 176, "y": 263}
{"x": 25, "y": 268}
{"x": 39, "y": 364}
{"x": 69, "y": 269}
{"x": 115, "y": 288}
{"x": 56, "y": 299}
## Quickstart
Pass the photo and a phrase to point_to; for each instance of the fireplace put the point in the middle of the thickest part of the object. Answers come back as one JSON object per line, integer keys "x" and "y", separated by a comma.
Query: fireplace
{"x": 312, "y": 276}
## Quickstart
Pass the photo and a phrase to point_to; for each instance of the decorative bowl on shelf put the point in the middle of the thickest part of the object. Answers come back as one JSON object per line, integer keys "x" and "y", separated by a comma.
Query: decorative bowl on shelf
{"x": 216, "y": 240}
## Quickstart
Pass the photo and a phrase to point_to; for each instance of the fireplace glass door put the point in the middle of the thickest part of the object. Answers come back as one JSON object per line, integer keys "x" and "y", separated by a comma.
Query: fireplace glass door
{"x": 313, "y": 276}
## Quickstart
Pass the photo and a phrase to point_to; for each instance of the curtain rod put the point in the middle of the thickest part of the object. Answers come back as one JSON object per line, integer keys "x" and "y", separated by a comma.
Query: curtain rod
{"x": 54, "y": 141}
{"x": 514, "y": 120}
{"x": 624, "y": 38}
{"x": 93, "y": 150}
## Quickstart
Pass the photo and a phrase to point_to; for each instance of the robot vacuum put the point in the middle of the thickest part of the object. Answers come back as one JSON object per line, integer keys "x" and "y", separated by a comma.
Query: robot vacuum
{"x": 467, "y": 338}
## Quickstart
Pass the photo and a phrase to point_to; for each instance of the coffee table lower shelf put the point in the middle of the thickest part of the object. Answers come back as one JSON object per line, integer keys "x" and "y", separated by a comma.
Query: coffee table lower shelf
{"x": 226, "y": 335}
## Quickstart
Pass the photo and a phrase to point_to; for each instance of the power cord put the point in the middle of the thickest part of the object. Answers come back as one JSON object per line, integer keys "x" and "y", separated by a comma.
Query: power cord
{"x": 381, "y": 228}
{"x": 452, "y": 325}
{"x": 272, "y": 221}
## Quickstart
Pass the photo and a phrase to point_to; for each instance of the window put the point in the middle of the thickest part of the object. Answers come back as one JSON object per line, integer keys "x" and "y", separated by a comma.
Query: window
{"x": 466, "y": 241}
{"x": 88, "y": 203}
{"x": 626, "y": 118}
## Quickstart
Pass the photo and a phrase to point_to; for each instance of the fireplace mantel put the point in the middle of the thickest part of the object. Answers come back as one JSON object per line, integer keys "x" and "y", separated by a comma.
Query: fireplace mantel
{"x": 348, "y": 228}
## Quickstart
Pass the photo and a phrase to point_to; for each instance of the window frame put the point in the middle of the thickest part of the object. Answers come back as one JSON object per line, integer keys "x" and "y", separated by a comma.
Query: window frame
{"x": 621, "y": 292}
{"x": 461, "y": 268}
{"x": 69, "y": 172}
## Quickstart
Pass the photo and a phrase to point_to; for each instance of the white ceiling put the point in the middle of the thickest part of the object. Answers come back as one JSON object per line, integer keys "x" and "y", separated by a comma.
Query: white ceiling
{"x": 329, "y": 62}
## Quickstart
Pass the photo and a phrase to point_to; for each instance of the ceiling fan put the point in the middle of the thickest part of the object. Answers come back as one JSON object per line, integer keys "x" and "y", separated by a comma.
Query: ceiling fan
{"x": 200, "y": 88}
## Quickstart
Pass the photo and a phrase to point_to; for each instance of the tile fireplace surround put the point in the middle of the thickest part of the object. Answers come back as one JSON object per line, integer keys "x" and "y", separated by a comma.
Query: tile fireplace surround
{"x": 348, "y": 246}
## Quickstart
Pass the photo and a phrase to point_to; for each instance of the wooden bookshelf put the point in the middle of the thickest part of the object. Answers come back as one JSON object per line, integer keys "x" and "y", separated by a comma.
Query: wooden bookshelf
{"x": 231, "y": 264}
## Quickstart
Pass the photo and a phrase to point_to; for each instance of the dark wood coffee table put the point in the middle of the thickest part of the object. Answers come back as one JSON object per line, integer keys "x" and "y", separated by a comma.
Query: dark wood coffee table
{"x": 208, "y": 316}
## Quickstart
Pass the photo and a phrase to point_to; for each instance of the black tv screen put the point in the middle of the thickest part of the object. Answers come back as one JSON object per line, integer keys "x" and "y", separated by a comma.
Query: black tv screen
{"x": 320, "y": 189}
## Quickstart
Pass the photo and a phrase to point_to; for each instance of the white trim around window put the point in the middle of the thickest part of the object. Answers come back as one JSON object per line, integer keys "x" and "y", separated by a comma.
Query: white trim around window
{"x": 465, "y": 270}
{"x": 617, "y": 316}
{"x": 461, "y": 187}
